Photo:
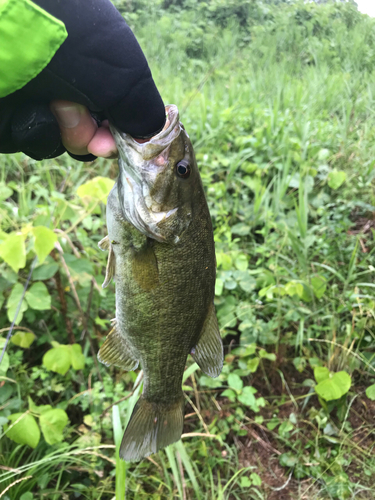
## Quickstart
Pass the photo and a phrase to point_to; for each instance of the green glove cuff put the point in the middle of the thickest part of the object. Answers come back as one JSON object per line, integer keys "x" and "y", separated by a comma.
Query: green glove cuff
{"x": 29, "y": 39}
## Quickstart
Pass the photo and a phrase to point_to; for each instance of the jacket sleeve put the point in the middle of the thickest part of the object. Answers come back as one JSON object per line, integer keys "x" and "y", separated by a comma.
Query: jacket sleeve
{"x": 29, "y": 36}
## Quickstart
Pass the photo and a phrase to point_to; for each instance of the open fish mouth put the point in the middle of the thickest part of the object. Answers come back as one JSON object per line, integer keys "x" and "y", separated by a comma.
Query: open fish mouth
{"x": 140, "y": 165}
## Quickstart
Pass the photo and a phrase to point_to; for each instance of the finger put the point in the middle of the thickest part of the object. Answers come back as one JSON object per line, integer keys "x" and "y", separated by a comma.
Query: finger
{"x": 76, "y": 125}
{"x": 103, "y": 144}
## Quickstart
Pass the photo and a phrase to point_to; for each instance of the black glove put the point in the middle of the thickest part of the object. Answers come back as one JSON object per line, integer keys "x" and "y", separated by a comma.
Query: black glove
{"x": 99, "y": 65}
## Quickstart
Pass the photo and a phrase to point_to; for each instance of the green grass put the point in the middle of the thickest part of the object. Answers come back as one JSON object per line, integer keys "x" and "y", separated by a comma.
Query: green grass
{"x": 278, "y": 101}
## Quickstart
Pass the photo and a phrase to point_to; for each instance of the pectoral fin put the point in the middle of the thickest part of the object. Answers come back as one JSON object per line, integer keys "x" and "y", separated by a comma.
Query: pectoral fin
{"x": 111, "y": 267}
{"x": 208, "y": 353}
{"x": 104, "y": 244}
{"x": 115, "y": 351}
{"x": 145, "y": 268}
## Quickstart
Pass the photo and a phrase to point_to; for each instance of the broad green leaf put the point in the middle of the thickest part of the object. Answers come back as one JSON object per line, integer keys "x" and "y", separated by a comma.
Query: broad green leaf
{"x": 294, "y": 288}
{"x": 38, "y": 409}
{"x": 23, "y": 339}
{"x": 299, "y": 364}
{"x": 38, "y": 297}
{"x": 45, "y": 271}
{"x": 245, "y": 482}
{"x": 253, "y": 364}
{"x": 76, "y": 356}
{"x": 57, "y": 359}
{"x": 235, "y": 382}
{"x": 370, "y": 392}
{"x": 228, "y": 393}
{"x": 25, "y": 431}
{"x": 52, "y": 423}
{"x": 4, "y": 365}
{"x": 45, "y": 240}
{"x": 267, "y": 355}
{"x": 288, "y": 459}
{"x": 319, "y": 286}
{"x": 219, "y": 285}
{"x": 241, "y": 229}
{"x": 13, "y": 251}
{"x": 334, "y": 387}
{"x": 96, "y": 189}
{"x": 255, "y": 478}
{"x": 321, "y": 373}
{"x": 336, "y": 178}
{"x": 247, "y": 396}
{"x": 5, "y": 191}
{"x": 241, "y": 262}
{"x": 13, "y": 301}
{"x": 27, "y": 496}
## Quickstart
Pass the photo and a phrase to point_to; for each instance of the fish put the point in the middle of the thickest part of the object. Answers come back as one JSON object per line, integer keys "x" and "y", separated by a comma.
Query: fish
{"x": 162, "y": 257}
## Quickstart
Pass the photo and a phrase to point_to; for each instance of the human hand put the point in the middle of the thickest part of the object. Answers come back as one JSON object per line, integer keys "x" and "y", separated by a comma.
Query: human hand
{"x": 101, "y": 67}
{"x": 80, "y": 133}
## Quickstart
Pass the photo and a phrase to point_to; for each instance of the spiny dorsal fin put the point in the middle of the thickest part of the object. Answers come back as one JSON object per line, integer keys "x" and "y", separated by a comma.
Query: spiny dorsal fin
{"x": 111, "y": 267}
{"x": 208, "y": 353}
{"x": 115, "y": 351}
{"x": 145, "y": 268}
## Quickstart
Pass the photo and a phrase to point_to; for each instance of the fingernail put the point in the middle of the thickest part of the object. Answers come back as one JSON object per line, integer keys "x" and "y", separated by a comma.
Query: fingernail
{"x": 68, "y": 116}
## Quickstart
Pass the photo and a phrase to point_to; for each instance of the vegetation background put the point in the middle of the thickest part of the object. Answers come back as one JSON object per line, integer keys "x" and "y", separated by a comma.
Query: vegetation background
{"x": 279, "y": 100}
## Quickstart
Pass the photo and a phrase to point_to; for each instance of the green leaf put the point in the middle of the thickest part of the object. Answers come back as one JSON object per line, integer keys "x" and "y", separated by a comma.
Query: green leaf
{"x": 370, "y": 392}
{"x": 247, "y": 396}
{"x": 45, "y": 240}
{"x": 23, "y": 339}
{"x": 52, "y": 423}
{"x": 13, "y": 251}
{"x": 253, "y": 364}
{"x": 319, "y": 286}
{"x": 336, "y": 178}
{"x": 294, "y": 288}
{"x": 256, "y": 480}
{"x": 219, "y": 285}
{"x": 25, "y": 431}
{"x": 228, "y": 393}
{"x": 13, "y": 301}
{"x": 57, "y": 359}
{"x": 267, "y": 355}
{"x": 96, "y": 189}
{"x": 45, "y": 271}
{"x": 321, "y": 373}
{"x": 38, "y": 409}
{"x": 76, "y": 356}
{"x": 38, "y": 297}
{"x": 235, "y": 382}
{"x": 5, "y": 191}
{"x": 299, "y": 364}
{"x": 334, "y": 387}
{"x": 4, "y": 365}
{"x": 245, "y": 482}
{"x": 27, "y": 496}
{"x": 241, "y": 262}
{"x": 288, "y": 459}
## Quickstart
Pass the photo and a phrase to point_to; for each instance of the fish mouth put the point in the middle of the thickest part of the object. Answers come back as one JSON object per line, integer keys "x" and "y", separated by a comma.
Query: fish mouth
{"x": 138, "y": 160}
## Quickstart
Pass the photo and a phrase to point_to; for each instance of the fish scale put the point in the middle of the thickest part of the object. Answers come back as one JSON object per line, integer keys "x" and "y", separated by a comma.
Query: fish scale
{"x": 163, "y": 263}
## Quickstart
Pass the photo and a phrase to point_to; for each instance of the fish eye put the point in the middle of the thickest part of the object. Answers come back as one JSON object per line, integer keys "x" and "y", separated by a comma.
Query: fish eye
{"x": 183, "y": 169}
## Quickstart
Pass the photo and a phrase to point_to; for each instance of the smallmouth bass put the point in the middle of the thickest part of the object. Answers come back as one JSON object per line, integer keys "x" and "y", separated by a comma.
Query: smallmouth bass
{"x": 162, "y": 256}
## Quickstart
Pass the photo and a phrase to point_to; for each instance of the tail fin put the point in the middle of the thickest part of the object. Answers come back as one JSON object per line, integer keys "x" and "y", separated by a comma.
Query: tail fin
{"x": 151, "y": 427}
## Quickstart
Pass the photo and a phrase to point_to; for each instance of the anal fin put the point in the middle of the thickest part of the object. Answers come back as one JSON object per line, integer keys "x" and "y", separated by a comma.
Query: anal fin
{"x": 115, "y": 351}
{"x": 208, "y": 353}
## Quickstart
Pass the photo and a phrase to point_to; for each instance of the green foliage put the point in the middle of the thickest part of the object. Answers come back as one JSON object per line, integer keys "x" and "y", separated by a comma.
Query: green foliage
{"x": 61, "y": 357}
{"x": 277, "y": 98}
